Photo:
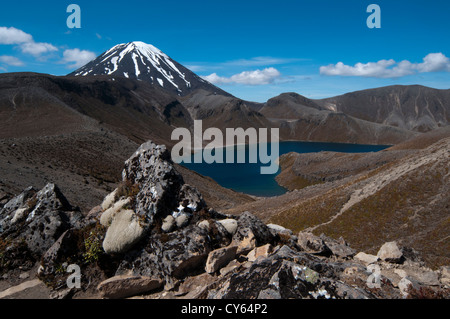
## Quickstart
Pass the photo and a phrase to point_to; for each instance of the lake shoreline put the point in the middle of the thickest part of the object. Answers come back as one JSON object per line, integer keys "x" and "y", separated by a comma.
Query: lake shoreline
{"x": 246, "y": 177}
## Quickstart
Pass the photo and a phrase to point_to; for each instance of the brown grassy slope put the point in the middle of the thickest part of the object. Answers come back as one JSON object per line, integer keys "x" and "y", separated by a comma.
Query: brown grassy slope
{"x": 288, "y": 178}
{"x": 302, "y": 170}
{"x": 85, "y": 165}
{"x": 405, "y": 200}
{"x": 424, "y": 140}
{"x": 413, "y": 209}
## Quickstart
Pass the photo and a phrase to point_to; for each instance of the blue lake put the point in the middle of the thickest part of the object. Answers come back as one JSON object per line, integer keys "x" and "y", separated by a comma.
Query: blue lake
{"x": 247, "y": 178}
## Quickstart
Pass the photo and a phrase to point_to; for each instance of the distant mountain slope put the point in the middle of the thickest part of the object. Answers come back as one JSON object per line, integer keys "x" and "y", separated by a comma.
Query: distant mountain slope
{"x": 300, "y": 118}
{"x": 289, "y": 106}
{"x": 414, "y": 107}
{"x": 140, "y": 61}
{"x": 39, "y": 105}
{"x": 223, "y": 111}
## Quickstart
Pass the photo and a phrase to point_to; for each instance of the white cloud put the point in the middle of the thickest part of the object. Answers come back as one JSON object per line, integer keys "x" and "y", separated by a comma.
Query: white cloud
{"x": 37, "y": 48}
{"x": 25, "y": 42}
{"x": 10, "y": 60}
{"x": 433, "y": 62}
{"x": 77, "y": 58}
{"x": 13, "y": 36}
{"x": 257, "y": 77}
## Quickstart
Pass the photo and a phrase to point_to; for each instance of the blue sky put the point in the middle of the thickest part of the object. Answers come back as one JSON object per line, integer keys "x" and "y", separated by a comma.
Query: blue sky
{"x": 252, "y": 49}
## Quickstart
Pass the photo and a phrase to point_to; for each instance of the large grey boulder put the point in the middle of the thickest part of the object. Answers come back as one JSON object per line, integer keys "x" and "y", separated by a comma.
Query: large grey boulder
{"x": 161, "y": 188}
{"x": 152, "y": 192}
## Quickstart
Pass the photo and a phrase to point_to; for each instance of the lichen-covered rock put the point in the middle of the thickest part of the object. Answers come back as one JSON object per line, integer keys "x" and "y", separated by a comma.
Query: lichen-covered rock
{"x": 230, "y": 225}
{"x": 170, "y": 256}
{"x": 38, "y": 218}
{"x": 152, "y": 192}
{"x": 161, "y": 187}
{"x": 277, "y": 229}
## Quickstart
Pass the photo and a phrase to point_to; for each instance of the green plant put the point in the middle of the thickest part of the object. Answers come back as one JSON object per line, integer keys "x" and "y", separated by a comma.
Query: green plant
{"x": 93, "y": 247}
{"x": 59, "y": 269}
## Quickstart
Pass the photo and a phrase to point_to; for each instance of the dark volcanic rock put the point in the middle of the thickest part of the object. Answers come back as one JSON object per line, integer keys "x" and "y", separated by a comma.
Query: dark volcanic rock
{"x": 173, "y": 256}
{"x": 285, "y": 274}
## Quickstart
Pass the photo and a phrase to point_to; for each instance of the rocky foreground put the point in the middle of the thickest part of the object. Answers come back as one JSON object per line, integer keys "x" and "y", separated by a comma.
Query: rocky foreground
{"x": 155, "y": 237}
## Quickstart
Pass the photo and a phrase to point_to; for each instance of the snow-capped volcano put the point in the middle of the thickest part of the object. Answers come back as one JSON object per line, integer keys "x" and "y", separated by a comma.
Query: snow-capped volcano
{"x": 141, "y": 61}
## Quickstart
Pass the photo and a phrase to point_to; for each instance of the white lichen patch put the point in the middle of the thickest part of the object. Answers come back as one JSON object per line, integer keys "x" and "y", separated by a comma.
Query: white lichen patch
{"x": 109, "y": 200}
{"x": 109, "y": 214}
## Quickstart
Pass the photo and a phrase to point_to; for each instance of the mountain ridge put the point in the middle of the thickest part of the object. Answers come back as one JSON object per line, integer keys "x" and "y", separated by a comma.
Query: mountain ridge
{"x": 413, "y": 107}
